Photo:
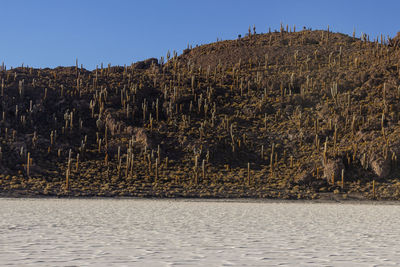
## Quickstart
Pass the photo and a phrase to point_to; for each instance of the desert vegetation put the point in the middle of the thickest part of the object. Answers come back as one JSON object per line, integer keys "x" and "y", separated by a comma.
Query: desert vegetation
{"x": 285, "y": 114}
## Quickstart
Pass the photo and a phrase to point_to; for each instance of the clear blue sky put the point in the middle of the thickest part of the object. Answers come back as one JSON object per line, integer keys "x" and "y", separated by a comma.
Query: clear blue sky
{"x": 50, "y": 33}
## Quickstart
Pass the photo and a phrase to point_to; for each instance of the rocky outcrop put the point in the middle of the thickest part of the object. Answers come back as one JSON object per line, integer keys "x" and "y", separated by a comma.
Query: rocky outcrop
{"x": 381, "y": 167}
{"x": 142, "y": 138}
{"x": 113, "y": 125}
{"x": 333, "y": 168}
{"x": 146, "y": 64}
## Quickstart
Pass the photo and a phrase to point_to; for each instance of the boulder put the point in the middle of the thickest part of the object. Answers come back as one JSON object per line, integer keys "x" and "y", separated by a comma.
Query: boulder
{"x": 114, "y": 125}
{"x": 380, "y": 167}
{"x": 304, "y": 178}
{"x": 141, "y": 137}
{"x": 333, "y": 167}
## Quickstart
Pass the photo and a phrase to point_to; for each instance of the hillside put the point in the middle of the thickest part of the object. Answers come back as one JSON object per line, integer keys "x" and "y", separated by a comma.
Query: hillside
{"x": 288, "y": 115}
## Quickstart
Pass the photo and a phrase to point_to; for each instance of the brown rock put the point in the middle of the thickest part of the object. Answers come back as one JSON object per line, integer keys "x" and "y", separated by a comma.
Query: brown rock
{"x": 129, "y": 130}
{"x": 145, "y": 64}
{"x": 333, "y": 167}
{"x": 304, "y": 178}
{"x": 113, "y": 125}
{"x": 142, "y": 137}
{"x": 380, "y": 167}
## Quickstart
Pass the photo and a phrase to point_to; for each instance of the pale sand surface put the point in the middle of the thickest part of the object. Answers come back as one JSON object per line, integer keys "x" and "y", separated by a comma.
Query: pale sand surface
{"x": 134, "y": 232}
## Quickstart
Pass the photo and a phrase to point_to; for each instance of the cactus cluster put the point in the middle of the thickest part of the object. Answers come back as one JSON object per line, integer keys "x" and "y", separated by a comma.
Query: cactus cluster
{"x": 286, "y": 114}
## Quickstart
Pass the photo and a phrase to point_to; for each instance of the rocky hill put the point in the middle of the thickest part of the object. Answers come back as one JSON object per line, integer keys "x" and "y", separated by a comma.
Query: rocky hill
{"x": 289, "y": 115}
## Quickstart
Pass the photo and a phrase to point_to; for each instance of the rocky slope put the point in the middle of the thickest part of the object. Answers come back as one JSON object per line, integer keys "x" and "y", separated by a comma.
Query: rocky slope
{"x": 278, "y": 115}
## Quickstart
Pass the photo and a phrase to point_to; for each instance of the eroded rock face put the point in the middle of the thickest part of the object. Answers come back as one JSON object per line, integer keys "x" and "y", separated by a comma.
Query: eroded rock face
{"x": 381, "y": 167}
{"x": 333, "y": 168}
{"x": 142, "y": 138}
